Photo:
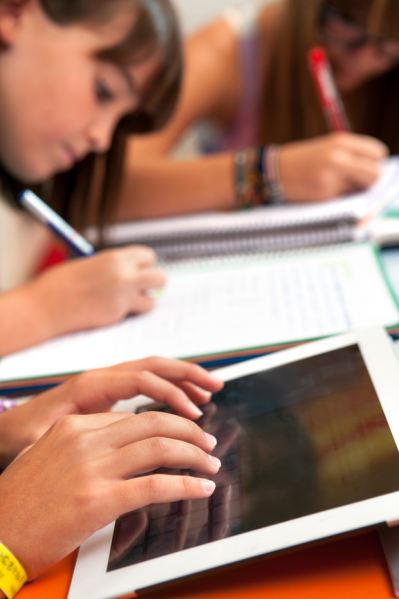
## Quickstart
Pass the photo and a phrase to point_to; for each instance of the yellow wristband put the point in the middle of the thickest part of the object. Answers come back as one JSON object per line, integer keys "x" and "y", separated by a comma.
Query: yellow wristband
{"x": 12, "y": 574}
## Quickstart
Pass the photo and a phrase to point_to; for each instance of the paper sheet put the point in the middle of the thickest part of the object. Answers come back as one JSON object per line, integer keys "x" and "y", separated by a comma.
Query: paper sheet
{"x": 224, "y": 305}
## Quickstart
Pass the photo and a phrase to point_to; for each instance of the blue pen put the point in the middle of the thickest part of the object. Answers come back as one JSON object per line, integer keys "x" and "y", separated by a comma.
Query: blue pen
{"x": 76, "y": 242}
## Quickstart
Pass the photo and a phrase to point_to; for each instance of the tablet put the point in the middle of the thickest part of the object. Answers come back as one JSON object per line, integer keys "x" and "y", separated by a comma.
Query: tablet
{"x": 308, "y": 440}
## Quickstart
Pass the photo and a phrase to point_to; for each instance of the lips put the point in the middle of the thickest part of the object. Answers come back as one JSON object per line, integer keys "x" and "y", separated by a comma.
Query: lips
{"x": 71, "y": 155}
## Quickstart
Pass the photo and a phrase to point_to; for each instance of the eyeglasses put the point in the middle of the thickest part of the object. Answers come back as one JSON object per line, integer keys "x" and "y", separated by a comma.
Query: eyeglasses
{"x": 342, "y": 32}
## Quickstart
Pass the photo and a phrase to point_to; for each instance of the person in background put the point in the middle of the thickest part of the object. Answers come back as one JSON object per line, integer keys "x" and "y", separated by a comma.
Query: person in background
{"x": 247, "y": 78}
{"x": 76, "y": 79}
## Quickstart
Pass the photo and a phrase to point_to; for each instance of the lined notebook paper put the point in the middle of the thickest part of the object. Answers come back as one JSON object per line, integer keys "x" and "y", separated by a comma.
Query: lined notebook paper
{"x": 218, "y": 306}
{"x": 265, "y": 228}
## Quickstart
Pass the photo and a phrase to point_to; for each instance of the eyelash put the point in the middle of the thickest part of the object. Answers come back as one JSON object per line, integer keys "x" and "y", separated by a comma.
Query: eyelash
{"x": 103, "y": 93}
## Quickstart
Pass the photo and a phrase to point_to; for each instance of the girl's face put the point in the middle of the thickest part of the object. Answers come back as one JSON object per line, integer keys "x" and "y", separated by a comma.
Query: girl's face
{"x": 356, "y": 56}
{"x": 58, "y": 100}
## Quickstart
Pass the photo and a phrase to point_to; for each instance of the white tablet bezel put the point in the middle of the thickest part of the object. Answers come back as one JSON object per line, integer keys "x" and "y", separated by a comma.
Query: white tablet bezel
{"x": 90, "y": 578}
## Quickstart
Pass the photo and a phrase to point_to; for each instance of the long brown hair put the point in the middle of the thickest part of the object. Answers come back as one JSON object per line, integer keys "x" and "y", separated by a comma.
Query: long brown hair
{"x": 95, "y": 180}
{"x": 288, "y": 92}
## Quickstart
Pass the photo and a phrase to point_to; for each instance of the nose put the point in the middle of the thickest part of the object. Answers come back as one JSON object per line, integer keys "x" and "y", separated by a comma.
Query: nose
{"x": 100, "y": 132}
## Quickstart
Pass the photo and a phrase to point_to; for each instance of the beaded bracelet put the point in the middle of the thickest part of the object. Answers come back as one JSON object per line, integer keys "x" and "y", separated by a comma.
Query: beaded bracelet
{"x": 249, "y": 177}
{"x": 256, "y": 177}
{"x": 7, "y": 404}
{"x": 272, "y": 175}
{"x": 12, "y": 573}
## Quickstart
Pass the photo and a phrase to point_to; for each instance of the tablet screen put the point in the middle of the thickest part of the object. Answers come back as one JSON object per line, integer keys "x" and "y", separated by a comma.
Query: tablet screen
{"x": 294, "y": 440}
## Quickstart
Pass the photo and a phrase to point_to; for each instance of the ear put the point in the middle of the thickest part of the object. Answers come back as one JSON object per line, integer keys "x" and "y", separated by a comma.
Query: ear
{"x": 11, "y": 12}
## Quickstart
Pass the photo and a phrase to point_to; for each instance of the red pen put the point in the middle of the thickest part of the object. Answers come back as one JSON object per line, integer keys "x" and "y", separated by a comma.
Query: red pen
{"x": 327, "y": 92}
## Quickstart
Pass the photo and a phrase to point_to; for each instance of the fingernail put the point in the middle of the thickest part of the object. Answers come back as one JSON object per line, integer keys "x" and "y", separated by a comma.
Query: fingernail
{"x": 196, "y": 412}
{"x": 215, "y": 461}
{"x": 208, "y": 486}
{"x": 212, "y": 441}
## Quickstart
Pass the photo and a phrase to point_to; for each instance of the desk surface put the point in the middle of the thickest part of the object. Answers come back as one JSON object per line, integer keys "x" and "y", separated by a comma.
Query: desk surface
{"x": 349, "y": 568}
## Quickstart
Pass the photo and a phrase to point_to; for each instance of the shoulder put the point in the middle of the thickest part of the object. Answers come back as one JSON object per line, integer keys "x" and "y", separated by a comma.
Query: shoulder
{"x": 223, "y": 34}
{"x": 218, "y": 39}
{"x": 212, "y": 74}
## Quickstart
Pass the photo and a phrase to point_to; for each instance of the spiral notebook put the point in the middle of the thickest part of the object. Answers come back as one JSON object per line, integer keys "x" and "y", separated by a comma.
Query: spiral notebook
{"x": 264, "y": 229}
{"x": 222, "y": 308}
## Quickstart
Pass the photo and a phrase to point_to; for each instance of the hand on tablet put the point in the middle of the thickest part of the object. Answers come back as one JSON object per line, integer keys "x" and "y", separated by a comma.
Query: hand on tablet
{"x": 165, "y": 528}
{"x": 89, "y": 469}
{"x": 182, "y": 385}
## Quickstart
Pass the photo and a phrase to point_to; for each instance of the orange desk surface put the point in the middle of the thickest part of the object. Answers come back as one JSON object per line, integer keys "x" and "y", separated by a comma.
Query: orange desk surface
{"x": 351, "y": 568}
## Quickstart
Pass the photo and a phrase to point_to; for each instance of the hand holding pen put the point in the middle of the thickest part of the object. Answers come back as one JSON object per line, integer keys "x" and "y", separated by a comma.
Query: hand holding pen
{"x": 335, "y": 164}
{"x": 330, "y": 166}
{"x": 95, "y": 290}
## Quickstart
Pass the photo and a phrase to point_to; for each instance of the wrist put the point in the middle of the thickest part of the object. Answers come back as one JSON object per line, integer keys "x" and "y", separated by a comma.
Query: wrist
{"x": 12, "y": 573}
{"x": 15, "y": 535}
{"x": 23, "y": 321}
{"x": 36, "y": 298}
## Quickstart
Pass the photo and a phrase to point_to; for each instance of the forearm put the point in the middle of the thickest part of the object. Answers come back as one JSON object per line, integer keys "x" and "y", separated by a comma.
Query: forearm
{"x": 162, "y": 186}
{"x": 22, "y": 323}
